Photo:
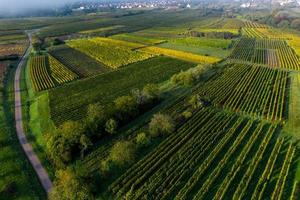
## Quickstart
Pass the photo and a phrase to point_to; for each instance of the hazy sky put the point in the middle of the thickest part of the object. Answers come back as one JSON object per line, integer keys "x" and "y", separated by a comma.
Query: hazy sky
{"x": 15, "y": 6}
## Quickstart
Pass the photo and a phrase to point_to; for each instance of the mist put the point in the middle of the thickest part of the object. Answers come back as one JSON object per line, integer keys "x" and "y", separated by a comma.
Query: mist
{"x": 18, "y": 7}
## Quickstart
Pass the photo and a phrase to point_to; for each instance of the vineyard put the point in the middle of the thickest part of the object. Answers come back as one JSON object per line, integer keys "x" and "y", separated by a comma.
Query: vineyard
{"x": 70, "y": 101}
{"x": 39, "y": 73}
{"x": 47, "y": 72}
{"x": 214, "y": 155}
{"x": 113, "y": 53}
{"x": 78, "y": 62}
{"x": 59, "y": 72}
{"x": 12, "y": 49}
{"x": 137, "y": 39}
{"x": 273, "y": 53}
{"x": 180, "y": 54}
{"x": 253, "y": 90}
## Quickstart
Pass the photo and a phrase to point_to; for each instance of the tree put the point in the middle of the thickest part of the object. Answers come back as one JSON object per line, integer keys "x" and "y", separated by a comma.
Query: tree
{"x": 69, "y": 187}
{"x": 126, "y": 106}
{"x": 296, "y": 24}
{"x": 284, "y": 24}
{"x": 95, "y": 117}
{"x": 85, "y": 142}
{"x": 142, "y": 140}
{"x": 161, "y": 124}
{"x": 122, "y": 153}
{"x": 151, "y": 91}
{"x": 65, "y": 142}
{"x": 72, "y": 131}
{"x": 138, "y": 96}
{"x": 111, "y": 126}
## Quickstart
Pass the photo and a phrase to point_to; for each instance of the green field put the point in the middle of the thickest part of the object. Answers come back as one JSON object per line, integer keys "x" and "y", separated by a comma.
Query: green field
{"x": 209, "y": 51}
{"x": 161, "y": 104}
{"x": 78, "y": 62}
{"x": 70, "y": 102}
{"x": 17, "y": 176}
{"x": 112, "y": 53}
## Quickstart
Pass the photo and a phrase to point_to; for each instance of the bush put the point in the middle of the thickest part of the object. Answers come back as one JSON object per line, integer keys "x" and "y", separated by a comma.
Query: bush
{"x": 161, "y": 124}
{"x": 142, "y": 140}
{"x": 95, "y": 117}
{"x": 67, "y": 141}
{"x": 195, "y": 101}
{"x": 126, "y": 107}
{"x": 123, "y": 153}
{"x": 68, "y": 186}
{"x": 151, "y": 91}
{"x": 188, "y": 77}
{"x": 111, "y": 126}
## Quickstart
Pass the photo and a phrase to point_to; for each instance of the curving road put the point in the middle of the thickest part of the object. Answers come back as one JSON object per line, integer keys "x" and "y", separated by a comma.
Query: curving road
{"x": 32, "y": 157}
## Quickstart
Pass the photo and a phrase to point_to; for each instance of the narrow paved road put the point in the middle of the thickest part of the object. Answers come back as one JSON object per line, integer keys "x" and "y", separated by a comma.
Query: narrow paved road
{"x": 32, "y": 157}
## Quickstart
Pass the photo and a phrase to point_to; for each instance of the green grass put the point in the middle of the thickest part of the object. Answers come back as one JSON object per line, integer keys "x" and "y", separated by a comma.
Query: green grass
{"x": 202, "y": 42}
{"x": 36, "y": 117}
{"x": 138, "y": 39}
{"x": 70, "y": 101}
{"x": 292, "y": 127}
{"x": 215, "y": 52}
{"x": 15, "y": 168}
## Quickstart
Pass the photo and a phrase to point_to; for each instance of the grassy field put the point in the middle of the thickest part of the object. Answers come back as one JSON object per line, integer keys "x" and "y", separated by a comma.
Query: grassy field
{"x": 137, "y": 39}
{"x": 201, "y": 50}
{"x": 18, "y": 180}
{"x": 292, "y": 127}
{"x": 36, "y": 117}
{"x": 70, "y": 102}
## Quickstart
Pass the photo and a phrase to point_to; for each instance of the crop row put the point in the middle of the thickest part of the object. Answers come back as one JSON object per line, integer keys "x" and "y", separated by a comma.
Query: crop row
{"x": 254, "y": 90}
{"x": 70, "y": 101}
{"x": 273, "y": 53}
{"x": 78, "y": 62}
{"x": 204, "y": 157}
{"x": 180, "y": 55}
{"x": 261, "y": 33}
{"x": 59, "y": 72}
{"x": 250, "y": 24}
{"x": 113, "y": 53}
{"x": 39, "y": 74}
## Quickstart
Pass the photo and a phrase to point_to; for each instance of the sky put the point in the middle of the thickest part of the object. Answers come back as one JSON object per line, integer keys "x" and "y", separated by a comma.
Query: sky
{"x": 17, "y": 6}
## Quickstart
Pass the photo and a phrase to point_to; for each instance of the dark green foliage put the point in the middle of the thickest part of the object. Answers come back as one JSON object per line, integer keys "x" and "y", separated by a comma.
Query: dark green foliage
{"x": 68, "y": 140}
{"x": 69, "y": 186}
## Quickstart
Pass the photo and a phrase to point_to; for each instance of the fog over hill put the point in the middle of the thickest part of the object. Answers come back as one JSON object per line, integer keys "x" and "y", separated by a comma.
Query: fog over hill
{"x": 16, "y": 7}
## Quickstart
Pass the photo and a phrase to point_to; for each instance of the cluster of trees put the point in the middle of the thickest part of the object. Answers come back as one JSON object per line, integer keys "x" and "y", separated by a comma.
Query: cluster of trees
{"x": 188, "y": 77}
{"x": 72, "y": 138}
{"x": 124, "y": 153}
{"x": 213, "y": 34}
{"x": 280, "y": 19}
